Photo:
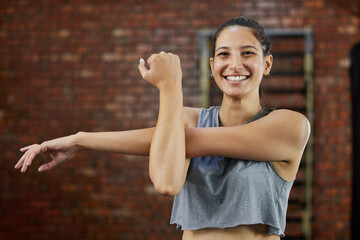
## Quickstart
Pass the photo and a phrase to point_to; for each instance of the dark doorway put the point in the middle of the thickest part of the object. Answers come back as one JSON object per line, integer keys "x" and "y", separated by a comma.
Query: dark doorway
{"x": 355, "y": 91}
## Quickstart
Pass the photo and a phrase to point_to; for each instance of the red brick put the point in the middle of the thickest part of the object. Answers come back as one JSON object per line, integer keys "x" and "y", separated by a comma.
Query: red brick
{"x": 70, "y": 67}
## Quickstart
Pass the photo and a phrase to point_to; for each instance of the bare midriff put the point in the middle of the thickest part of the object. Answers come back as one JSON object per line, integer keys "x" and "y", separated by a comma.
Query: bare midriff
{"x": 243, "y": 232}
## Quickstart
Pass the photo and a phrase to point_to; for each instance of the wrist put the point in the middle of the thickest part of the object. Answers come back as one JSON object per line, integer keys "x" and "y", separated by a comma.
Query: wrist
{"x": 170, "y": 85}
{"x": 170, "y": 90}
{"x": 172, "y": 97}
{"x": 77, "y": 140}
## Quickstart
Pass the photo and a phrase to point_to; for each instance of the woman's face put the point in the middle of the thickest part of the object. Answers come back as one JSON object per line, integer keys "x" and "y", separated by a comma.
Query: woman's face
{"x": 239, "y": 64}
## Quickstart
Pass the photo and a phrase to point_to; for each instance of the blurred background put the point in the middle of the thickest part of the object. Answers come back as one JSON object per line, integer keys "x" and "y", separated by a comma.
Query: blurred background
{"x": 69, "y": 66}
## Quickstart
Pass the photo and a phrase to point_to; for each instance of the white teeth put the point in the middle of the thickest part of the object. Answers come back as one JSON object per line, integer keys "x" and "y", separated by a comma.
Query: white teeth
{"x": 236, "y": 78}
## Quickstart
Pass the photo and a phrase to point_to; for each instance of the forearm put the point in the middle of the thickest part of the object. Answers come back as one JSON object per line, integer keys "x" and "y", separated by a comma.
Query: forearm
{"x": 167, "y": 154}
{"x": 132, "y": 142}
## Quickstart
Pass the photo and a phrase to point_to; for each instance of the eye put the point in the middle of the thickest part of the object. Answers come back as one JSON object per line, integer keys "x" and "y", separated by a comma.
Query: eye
{"x": 248, "y": 53}
{"x": 223, "y": 54}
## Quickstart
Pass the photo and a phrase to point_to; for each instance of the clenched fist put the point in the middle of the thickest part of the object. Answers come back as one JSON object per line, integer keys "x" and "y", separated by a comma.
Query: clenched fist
{"x": 164, "y": 70}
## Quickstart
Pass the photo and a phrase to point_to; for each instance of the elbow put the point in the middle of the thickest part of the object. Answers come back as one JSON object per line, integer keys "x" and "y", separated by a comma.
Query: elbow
{"x": 167, "y": 189}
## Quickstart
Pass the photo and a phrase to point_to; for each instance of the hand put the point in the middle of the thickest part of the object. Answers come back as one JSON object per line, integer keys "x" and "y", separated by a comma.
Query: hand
{"x": 59, "y": 150}
{"x": 164, "y": 70}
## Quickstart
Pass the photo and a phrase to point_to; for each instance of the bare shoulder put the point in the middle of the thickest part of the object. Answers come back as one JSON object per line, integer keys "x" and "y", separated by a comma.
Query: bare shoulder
{"x": 290, "y": 119}
{"x": 191, "y": 116}
{"x": 291, "y": 122}
{"x": 288, "y": 115}
{"x": 295, "y": 129}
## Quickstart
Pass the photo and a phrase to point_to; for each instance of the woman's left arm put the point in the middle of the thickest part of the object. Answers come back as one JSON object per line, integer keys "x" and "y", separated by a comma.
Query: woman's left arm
{"x": 167, "y": 163}
{"x": 280, "y": 136}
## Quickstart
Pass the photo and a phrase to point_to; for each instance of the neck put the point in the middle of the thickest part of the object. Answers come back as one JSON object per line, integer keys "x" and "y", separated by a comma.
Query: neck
{"x": 237, "y": 111}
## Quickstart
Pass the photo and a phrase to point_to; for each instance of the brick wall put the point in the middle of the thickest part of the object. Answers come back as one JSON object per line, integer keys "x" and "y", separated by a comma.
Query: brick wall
{"x": 67, "y": 66}
{"x": 336, "y": 33}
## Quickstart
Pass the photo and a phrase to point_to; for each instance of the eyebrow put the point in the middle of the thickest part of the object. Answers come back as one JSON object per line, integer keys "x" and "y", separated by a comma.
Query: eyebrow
{"x": 243, "y": 47}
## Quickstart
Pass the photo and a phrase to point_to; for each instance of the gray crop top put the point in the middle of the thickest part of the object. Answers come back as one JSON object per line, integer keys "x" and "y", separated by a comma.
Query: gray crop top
{"x": 223, "y": 192}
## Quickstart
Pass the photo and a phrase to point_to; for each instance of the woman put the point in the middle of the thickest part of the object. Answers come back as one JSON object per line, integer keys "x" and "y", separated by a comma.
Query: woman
{"x": 216, "y": 197}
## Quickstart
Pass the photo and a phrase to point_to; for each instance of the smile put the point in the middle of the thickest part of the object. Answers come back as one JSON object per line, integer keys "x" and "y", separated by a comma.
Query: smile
{"x": 236, "y": 78}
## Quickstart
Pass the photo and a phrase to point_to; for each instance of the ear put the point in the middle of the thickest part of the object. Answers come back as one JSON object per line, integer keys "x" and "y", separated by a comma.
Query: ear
{"x": 211, "y": 61}
{"x": 268, "y": 64}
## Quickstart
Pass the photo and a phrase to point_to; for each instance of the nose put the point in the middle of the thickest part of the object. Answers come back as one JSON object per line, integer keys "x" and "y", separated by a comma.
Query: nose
{"x": 236, "y": 63}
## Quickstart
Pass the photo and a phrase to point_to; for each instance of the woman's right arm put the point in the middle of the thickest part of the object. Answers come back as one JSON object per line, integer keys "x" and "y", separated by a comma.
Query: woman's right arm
{"x": 133, "y": 142}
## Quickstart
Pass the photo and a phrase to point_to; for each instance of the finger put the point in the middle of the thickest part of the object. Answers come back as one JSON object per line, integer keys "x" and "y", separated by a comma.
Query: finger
{"x": 24, "y": 163}
{"x": 23, "y": 168}
{"x": 142, "y": 68}
{"x": 24, "y": 156}
{"x": 22, "y": 160}
{"x": 30, "y": 158}
{"x": 43, "y": 167}
{"x": 24, "y": 149}
{"x": 47, "y": 166}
